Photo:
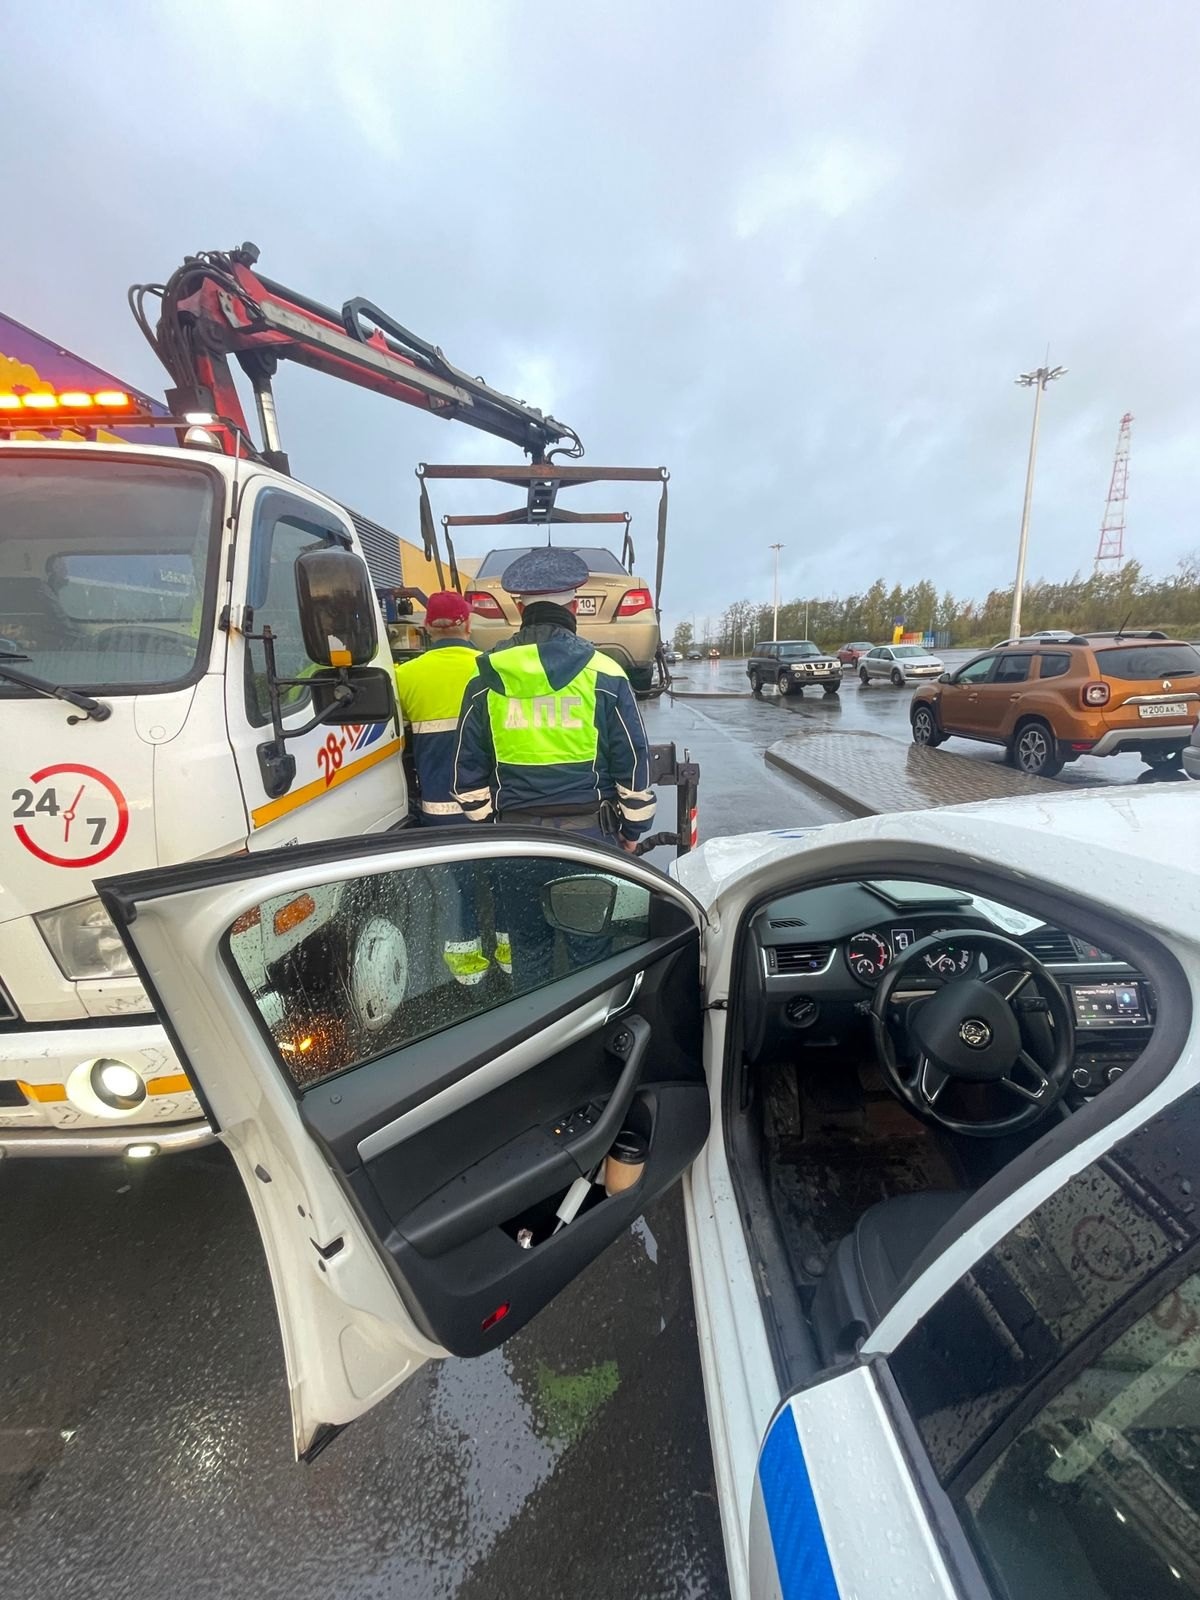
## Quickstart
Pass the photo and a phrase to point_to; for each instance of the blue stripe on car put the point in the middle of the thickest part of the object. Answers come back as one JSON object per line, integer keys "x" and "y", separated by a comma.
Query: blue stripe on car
{"x": 801, "y": 1554}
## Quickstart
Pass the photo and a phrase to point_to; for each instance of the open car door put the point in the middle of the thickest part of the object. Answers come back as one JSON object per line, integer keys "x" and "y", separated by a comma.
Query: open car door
{"x": 409, "y": 1141}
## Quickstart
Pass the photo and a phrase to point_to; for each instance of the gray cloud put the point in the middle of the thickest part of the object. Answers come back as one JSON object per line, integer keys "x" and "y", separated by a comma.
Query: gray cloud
{"x": 795, "y": 253}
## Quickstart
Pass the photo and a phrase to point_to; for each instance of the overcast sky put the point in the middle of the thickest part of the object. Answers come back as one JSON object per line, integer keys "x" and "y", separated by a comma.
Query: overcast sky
{"x": 797, "y": 253}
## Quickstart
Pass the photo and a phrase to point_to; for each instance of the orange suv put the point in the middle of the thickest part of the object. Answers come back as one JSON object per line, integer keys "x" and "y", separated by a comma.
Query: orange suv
{"x": 1091, "y": 695}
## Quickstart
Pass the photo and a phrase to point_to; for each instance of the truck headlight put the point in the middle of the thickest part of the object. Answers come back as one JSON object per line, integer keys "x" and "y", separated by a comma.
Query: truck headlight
{"x": 84, "y": 941}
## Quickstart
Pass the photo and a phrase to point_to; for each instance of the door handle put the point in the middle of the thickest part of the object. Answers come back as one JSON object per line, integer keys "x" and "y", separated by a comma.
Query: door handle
{"x": 1014, "y": 697}
{"x": 620, "y": 1006}
{"x": 588, "y": 1149}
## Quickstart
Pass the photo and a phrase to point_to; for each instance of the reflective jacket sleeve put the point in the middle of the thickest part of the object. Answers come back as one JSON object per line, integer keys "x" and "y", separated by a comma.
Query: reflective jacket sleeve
{"x": 474, "y": 756}
{"x": 623, "y": 756}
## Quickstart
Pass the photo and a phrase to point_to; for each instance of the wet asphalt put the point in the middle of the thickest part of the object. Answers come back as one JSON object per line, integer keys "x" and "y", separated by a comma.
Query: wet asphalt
{"x": 144, "y": 1436}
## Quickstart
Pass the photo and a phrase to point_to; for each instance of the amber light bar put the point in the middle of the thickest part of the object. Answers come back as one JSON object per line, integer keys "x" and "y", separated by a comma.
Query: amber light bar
{"x": 67, "y": 400}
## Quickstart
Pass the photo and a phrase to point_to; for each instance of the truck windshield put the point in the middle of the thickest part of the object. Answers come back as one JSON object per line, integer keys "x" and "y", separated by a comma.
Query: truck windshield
{"x": 104, "y": 569}
{"x": 797, "y": 650}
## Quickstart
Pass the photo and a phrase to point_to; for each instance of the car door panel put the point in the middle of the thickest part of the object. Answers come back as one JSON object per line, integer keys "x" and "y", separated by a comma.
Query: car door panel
{"x": 390, "y": 1192}
{"x": 808, "y": 1534}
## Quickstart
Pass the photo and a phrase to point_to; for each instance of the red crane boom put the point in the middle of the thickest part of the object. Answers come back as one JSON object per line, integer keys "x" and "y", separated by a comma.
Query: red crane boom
{"x": 216, "y": 305}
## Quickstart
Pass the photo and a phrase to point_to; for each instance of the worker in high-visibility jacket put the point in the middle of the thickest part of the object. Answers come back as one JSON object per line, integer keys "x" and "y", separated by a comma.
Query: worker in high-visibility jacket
{"x": 430, "y": 691}
{"x": 550, "y": 735}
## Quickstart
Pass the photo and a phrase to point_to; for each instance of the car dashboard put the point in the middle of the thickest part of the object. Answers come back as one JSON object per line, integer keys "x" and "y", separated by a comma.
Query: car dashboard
{"x": 816, "y": 957}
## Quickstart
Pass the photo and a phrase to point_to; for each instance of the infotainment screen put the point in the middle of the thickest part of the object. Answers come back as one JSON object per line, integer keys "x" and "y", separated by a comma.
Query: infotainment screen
{"x": 1109, "y": 1005}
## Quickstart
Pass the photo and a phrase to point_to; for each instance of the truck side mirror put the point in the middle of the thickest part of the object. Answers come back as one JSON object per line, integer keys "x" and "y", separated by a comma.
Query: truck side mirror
{"x": 373, "y": 697}
{"x": 337, "y": 608}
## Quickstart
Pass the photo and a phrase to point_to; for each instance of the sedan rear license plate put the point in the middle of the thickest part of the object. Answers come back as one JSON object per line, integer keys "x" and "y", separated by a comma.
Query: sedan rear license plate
{"x": 587, "y": 605}
{"x": 1168, "y": 708}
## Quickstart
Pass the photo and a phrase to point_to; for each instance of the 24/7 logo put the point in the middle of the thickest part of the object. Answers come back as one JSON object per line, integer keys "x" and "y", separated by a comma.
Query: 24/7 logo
{"x": 70, "y": 815}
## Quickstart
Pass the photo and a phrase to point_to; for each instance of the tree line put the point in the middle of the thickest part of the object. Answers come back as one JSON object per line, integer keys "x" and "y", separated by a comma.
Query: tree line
{"x": 1100, "y": 601}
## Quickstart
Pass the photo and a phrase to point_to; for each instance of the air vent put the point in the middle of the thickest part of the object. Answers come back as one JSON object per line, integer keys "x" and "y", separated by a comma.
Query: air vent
{"x": 789, "y": 959}
{"x": 787, "y": 922}
{"x": 1050, "y": 944}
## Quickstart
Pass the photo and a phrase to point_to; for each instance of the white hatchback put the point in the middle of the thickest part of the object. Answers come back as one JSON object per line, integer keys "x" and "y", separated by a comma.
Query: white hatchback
{"x": 931, "y": 1081}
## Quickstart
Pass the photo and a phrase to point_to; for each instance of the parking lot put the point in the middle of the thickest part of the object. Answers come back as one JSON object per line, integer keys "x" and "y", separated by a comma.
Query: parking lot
{"x": 144, "y": 1428}
{"x": 761, "y": 720}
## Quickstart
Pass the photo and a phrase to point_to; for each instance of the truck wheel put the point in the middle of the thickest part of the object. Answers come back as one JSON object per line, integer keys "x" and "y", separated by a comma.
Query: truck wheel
{"x": 786, "y": 686}
{"x": 1034, "y": 751}
{"x": 755, "y": 681}
{"x": 833, "y": 688}
{"x": 378, "y": 973}
{"x": 864, "y": 677}
{"x": 925, "y": 730}
{"x": 897, "y": 678}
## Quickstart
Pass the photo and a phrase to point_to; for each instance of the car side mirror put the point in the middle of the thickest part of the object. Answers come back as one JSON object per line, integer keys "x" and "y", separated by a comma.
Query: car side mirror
{"x": 338, "y": 612}
{"x": 946, "y": 677}
{"x": 581, "y": 904}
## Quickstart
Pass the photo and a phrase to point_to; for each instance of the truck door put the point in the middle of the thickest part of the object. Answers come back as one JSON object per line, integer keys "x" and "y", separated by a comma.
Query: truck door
{"x": 348, "y": 780}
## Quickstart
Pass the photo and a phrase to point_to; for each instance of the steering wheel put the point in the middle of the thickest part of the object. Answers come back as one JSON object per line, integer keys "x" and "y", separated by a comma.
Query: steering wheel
{"x": 969, "y": 1032}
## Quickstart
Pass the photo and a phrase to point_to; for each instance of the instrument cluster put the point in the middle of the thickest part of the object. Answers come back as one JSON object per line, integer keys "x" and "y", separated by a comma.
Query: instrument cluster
{"x": 869, "y": 954}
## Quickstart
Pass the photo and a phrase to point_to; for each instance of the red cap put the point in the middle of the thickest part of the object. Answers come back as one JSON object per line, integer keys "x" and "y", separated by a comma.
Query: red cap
{"x": 446, "y": 606}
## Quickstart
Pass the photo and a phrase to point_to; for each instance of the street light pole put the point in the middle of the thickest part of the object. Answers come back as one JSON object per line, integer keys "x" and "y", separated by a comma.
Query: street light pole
{"x": 1037, "y": 381}
{"x": 775, "y": 623}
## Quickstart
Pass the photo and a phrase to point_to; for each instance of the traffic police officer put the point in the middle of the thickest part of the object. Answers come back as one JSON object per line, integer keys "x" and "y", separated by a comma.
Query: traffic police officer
{"x": 430, "y": 691}
{"x": 550, "y": 732}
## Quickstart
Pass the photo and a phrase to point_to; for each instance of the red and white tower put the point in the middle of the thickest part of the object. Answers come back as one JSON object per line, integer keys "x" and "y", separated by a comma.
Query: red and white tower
{"x": 1110, "y": 552}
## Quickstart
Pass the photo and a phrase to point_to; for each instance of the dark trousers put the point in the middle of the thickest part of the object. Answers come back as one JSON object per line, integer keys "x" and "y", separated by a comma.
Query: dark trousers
{"x": 534, "y": 939}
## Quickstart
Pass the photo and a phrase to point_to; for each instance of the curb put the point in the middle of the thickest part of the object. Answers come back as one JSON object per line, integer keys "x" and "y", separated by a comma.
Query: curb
{"x": 822, "y": 786}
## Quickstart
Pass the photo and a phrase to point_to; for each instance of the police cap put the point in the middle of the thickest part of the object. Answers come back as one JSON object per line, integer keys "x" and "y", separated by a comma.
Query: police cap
{"x": 547, "y": 571}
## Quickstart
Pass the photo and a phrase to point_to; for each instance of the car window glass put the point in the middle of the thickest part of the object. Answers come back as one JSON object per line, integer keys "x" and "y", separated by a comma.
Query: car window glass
{"x": 344, "y": 972}
{"x": 976, "y": 671}
{"x": 1007, "y": 1327}
{"x": 600, "y": 561}
{"x": 1055, "y": 663}
{"x": 1099, "y": 1493}
{"x": 276, "y": 547}
{"x": 1134, "y": 662}
{"x": 1013, "y": 669}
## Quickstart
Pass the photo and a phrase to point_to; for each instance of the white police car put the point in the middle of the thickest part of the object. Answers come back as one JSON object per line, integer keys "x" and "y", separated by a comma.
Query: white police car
{"x": 932, "y": 1079}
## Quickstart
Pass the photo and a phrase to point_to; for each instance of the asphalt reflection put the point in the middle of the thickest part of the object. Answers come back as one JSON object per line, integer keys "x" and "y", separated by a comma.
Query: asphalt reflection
{"x": 145, "y": 1445}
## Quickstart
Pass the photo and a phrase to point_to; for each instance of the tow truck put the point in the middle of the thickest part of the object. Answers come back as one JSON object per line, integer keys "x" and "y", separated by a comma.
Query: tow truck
{"x": 194, "y": 663}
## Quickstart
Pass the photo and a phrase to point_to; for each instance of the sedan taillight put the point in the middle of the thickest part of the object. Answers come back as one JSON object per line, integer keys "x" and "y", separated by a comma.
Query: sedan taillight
{"x": 635, "y": 600}
{"x": 484, "y": 604}
{"x": 1095, "y": 694}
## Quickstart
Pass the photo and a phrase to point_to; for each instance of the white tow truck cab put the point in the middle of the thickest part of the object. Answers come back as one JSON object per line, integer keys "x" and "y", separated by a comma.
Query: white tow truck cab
{"x": 151, "y": 586}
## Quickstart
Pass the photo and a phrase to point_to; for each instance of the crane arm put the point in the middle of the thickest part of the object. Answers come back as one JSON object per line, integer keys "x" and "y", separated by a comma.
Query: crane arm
{"x": 216, "y": 305}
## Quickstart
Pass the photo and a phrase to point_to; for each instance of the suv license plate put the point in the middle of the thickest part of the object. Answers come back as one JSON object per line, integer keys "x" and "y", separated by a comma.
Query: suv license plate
{"x": 1169, "y": 708}
{"x": 587, "y": 605}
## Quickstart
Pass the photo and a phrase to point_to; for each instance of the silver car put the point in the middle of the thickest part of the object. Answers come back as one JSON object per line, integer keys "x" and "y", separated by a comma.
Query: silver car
{"x": 900, "y": 664}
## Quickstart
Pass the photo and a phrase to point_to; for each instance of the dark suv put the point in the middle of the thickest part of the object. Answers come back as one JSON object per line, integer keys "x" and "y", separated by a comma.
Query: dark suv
{"x": 1093, "y": 694}
{"x": 792, "y": 665}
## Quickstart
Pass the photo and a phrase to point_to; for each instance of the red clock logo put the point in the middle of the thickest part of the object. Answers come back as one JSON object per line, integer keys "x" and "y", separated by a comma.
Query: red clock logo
{"x": 70, "y": 816}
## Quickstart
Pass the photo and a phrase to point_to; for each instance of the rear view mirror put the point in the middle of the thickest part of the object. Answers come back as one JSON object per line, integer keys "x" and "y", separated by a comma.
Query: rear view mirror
{"x": 338, "y": 611}
{"x": 372, "y": 697}
{"x": 579, "y": 905}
